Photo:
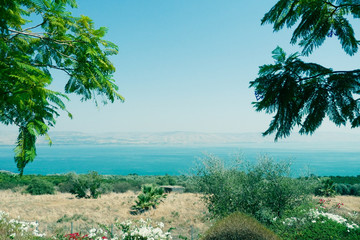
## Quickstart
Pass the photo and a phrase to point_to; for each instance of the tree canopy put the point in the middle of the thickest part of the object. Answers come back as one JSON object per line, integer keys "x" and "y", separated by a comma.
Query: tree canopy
{"x": 38, "y": 37}
{"x": 303, "y": 94}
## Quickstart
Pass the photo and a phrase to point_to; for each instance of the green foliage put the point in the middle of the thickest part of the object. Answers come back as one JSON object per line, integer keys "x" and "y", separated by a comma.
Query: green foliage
{"x": 326, "y": 188}
{"x": 17, "y": 229}
{"x": 322, "y": 228}
{"x": 303, "y": 94}
{"x": 85, "y": 186}
{"x": 346, "y": 179}
{"x": 40, "y": 187}
{"x": 65, "y": 182}
{"x": 94, "y": 183}
{"x": 65, "y": 187}
{"x": 342, "y": 189}
{"x": 264, "y": 190}
{"x": 79, "y": 185}
{"x": 150, "y": 197}
{"x": 166, "y": 180}
{"x": 355, "y": 190}
{"x": 29, "y": 50}
{"x": 122, "y": 187}
{"x": 316, "y": 20}
{"x": 238, "y": 226}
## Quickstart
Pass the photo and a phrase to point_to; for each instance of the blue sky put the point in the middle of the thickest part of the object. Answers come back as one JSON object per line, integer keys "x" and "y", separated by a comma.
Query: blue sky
{"x": 186, "y": 65}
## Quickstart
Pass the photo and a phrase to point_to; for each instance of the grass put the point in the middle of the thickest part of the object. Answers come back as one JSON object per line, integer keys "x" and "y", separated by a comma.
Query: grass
{"x": 186, "y": 212}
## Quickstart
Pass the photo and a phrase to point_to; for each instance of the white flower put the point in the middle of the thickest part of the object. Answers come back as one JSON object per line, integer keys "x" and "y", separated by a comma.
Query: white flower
{"x": 316, "y": 214}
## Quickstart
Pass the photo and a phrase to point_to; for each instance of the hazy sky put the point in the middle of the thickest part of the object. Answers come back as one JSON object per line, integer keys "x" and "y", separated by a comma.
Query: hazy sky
{"x": 186, "y": 65}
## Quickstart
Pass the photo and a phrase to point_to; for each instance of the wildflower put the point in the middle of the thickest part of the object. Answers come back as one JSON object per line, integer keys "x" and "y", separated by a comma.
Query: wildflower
{"x": 161, "y": 225}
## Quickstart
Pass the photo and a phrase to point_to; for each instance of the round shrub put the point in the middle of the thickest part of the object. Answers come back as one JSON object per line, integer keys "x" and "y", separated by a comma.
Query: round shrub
{"x": 239, "y": 226}
{"x": 40, "y": 187}
{"x": 264, "y": 189}
{"x": 121, "y": 187}
{"x": 355, "y": 190}
{"x": 65, "y": 187}
{"x": 342, "y": 189}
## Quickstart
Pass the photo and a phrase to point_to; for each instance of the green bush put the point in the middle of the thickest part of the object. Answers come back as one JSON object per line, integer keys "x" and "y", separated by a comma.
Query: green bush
{"x": 264, "y": 190}
{"x": 166, "y": 180}
{"x": 94, "y": 183}
{"x": 4, "y": 185}
{"x": 121, "y": 187}
{"x": 85, "y": 186}
{"x": 346, "y": 179}
{"x": 238, "y": 226}
{"x": 78, "y": 185}
{"x": 355, "y": 190}
{"x": 106, "y": 188}
{"x": 65, "y": 187}
{"x": 342, "y": 189}
{"x": 40, "y": 187}
{"x": 310, "y": 228}
{"x": 326, "y": 187}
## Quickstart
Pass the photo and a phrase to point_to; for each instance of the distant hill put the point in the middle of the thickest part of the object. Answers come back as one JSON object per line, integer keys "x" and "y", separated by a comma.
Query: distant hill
{"x": 180, "y": 138}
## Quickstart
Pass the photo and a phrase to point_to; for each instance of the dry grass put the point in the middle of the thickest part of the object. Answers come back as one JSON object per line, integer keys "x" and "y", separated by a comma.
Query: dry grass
{"x": 349, "y": 208}
{"x": 351, "y": 203}
{"x": 184, "y": 211}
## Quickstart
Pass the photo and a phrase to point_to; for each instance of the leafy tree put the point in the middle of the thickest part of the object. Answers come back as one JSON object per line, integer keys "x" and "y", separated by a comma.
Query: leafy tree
{"x": 303, "y": 94}
{"x": 38, "y": 37}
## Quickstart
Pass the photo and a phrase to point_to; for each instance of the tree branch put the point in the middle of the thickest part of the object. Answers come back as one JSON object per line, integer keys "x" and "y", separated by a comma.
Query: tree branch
{"x": 330, "y": 73}
{"x": 31, "y": 34}
{"x": 66, "y": 70}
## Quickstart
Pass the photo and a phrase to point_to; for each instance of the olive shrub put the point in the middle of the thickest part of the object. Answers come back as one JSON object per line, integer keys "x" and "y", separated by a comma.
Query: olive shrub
{"x": 264, "y": 189}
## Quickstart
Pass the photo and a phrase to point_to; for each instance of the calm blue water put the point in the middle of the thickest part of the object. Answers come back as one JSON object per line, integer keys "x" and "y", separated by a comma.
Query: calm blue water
{"x": 159, "y": 160}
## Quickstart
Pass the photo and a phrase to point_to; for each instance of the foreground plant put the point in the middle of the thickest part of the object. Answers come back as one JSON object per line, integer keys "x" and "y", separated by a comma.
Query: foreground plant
{"x": 142, "y": 230}
{"x": 239, "y": 226}
{"x": 316, "y": 224}
{"x": 127, "y": 230}
{"x": 17, "y": 229}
